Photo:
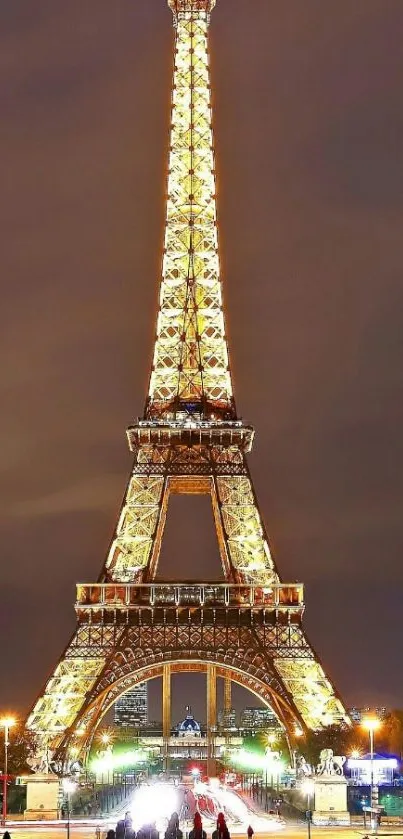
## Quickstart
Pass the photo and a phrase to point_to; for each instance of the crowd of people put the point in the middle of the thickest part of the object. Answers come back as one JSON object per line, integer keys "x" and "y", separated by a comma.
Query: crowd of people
{"x": 124, "y": 829}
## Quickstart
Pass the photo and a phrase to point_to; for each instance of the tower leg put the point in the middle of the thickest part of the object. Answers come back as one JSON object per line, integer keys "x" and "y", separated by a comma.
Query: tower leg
{"x": 211, "y": 718}
{"x": 166, "y": 714}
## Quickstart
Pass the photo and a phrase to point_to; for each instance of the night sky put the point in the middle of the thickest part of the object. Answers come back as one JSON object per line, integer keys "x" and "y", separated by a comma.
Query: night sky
{"x": 309, "y": 132}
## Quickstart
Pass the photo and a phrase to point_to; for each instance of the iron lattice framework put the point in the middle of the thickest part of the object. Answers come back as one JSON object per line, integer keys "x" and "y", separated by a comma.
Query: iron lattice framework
{"x": 189, "y": 441}
{"x": 191, "y": 356}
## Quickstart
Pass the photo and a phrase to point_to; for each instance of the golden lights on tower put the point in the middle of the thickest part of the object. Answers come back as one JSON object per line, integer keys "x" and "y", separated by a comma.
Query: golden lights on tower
{"x": 190, "y": 362}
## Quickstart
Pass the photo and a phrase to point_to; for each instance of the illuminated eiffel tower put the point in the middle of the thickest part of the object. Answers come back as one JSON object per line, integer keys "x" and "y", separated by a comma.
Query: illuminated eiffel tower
{"x": 131, "y": 627}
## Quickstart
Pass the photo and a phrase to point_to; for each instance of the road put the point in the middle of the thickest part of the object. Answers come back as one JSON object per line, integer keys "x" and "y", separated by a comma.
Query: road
{"x": 290, "y": 832}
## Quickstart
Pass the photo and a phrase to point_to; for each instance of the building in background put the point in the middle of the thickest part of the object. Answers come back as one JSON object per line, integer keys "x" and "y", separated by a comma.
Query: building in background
{"x": 226, "y": 720}
{"x": 358, "y": 714}
{"x": 381, "y": 770}
{"x": 189, "y": 727}
{"x": 131, "y": 709}
{"x": 255, "y": 718}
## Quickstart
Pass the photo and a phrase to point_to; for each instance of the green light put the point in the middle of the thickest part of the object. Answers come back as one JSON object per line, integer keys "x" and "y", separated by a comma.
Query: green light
{"x": 250, "y": 760}
{"x": 119, "y": 761}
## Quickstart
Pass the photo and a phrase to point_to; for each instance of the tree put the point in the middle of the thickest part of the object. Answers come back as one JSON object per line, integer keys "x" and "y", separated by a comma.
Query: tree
{"x": 340, "y": 738}
{"x": 21, "y": 748}
{"x": 389, "y": 736}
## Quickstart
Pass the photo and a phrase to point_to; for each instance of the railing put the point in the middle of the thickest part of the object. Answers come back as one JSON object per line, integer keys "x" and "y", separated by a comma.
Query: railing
{"x": 216, "y": 595}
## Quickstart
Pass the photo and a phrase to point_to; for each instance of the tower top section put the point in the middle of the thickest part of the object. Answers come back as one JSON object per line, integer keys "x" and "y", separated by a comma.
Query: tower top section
{"x": 178, "y": 6}
{"x": 190, "y": 378}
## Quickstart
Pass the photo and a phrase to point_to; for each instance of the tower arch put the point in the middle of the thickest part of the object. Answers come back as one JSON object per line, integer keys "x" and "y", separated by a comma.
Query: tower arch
{"x": 78, "y": 741}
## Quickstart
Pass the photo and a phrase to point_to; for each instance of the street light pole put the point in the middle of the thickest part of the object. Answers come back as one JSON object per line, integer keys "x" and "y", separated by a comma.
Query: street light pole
{"x": 372, "y": 724}
{"x": 308, "y": 788}
{"x": 371, "y": 747}
{"x": 7, "y": 723}
{"x": 68, "y": 787}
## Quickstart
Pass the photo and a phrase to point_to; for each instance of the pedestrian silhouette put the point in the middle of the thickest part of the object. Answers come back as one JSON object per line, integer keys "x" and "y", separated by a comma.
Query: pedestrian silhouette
{"x": 197, "y": 832}
{"x": 173, "y": 830}
{"x": 221, "y": 831}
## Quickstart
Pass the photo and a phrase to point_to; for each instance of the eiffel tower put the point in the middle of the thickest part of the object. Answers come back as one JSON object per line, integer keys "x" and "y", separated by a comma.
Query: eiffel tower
{"x": 132, "y": 627}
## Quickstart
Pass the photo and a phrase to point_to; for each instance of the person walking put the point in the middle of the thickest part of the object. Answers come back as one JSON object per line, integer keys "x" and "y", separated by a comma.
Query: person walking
{"x": 111, "y": 834}
{"x": 197, "y": 832}
{"x": 221, "y": 831}
{"x": 173, "y": 830}
{"x": 148, "y": 831}
{"x": 250, "y": 832}
{"x": 120, "y": 829}
{"x": 124, "y": 827}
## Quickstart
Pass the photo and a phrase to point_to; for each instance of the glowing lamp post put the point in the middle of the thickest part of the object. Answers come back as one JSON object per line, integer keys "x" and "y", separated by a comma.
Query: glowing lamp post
{"x": 308, "y": 787}
{"x": 298, "y": 732}
{"x": 69, "y": 787}
{"x": 371, "y": 724}
{"x": 6, "y": 723}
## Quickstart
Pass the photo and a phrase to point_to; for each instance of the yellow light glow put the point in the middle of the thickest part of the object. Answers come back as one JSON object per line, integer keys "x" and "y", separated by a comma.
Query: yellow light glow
{"x": 7, "y": 722}
{"x": 298, "y": 732}
{"x": 355, "y": 753}
{"x": 371, "y": 723}
{"x": 308, "y": 787}
{"x": 191, "y": 354}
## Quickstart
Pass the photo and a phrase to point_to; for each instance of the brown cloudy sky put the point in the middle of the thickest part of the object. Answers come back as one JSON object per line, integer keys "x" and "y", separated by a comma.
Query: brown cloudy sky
{"x": 309, "y": 131}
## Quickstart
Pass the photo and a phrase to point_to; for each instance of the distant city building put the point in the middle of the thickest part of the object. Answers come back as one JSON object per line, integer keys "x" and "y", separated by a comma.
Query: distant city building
{"x": 226, "y": 719}
{"x": 255, "y": 718}
{"x": 132, "y": 708}
{"x": 358, "y": 714}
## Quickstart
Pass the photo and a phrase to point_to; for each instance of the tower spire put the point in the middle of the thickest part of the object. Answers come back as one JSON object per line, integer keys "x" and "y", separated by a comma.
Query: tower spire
{"x": 190, "y": 371}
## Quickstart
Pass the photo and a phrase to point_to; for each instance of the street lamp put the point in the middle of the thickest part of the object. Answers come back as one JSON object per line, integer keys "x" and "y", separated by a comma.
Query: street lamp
{"x": 69, "y": 787}
{"x": 298, "y": 732}
{"x": 270, "y": 740}
{"x": 308, "y": 787}
{"x": 6, "y": 723}
{"x": 371, "y": 724}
